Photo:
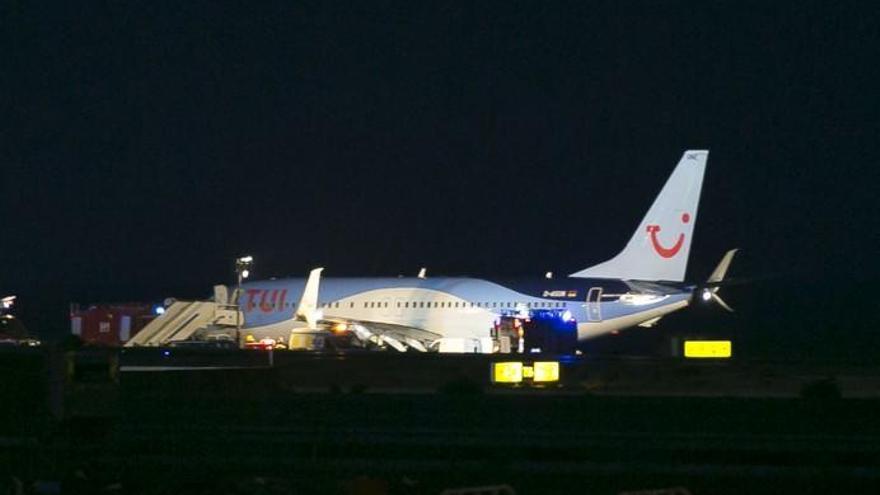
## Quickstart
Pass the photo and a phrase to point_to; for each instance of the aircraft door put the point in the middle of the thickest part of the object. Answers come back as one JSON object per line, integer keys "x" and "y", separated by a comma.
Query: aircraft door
{"x": 594, "y": 304}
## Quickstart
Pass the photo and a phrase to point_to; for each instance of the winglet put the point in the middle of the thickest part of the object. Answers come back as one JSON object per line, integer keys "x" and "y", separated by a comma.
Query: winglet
{"x": 308, "y": 305}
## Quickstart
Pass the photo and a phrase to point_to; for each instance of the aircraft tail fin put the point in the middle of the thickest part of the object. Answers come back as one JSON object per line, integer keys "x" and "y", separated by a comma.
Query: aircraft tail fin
{"x": 659, "y": 248}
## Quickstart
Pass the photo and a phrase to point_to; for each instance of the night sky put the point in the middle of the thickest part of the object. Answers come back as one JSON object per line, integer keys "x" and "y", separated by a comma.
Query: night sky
{"x": 145, "y": 146}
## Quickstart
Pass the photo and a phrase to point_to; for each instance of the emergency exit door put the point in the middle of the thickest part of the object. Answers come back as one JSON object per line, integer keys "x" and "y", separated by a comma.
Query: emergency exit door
{"x": 594, "y": 304}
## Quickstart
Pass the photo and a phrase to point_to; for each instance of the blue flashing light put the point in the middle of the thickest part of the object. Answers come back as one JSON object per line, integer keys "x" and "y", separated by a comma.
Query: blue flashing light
{"x": 566, "y": 316}
{"x": 567, "y": 358}
{"x": 166, "y": 353}
{"x": 159, "y": 310}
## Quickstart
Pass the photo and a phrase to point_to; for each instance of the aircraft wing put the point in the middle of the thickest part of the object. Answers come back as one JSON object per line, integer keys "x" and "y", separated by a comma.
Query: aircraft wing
{"x": 399, "y": 337}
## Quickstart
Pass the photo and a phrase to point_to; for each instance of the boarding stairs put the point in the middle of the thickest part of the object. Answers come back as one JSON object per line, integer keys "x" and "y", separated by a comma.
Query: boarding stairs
{"x": 182, "y": 319}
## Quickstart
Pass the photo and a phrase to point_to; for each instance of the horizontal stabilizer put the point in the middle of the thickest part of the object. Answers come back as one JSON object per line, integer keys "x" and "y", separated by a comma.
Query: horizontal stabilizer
{"x": 714, "y": 282}
{"x": 721, "y": 270}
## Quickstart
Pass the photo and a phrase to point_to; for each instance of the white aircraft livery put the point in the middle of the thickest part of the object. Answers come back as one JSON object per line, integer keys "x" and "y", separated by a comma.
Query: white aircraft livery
{"x": 640, "y": 285}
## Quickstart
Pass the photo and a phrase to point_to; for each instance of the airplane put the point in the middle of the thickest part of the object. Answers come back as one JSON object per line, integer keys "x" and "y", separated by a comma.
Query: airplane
{"x": 637, "y": 287}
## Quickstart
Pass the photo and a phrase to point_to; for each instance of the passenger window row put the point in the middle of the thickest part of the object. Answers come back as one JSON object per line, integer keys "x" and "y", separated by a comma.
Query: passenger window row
{"x": 462, "y": 304}
{"x": 427, "y": 304}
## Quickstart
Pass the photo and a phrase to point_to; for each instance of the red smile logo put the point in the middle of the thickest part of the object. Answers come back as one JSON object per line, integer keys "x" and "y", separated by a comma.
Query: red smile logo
{"x": 664, "y": 251}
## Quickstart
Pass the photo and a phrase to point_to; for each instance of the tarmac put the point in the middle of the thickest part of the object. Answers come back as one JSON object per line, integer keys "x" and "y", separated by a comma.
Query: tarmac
{"x": 169, "y": 421}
